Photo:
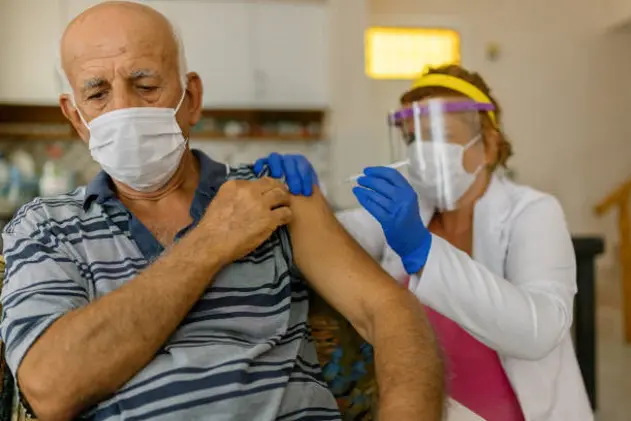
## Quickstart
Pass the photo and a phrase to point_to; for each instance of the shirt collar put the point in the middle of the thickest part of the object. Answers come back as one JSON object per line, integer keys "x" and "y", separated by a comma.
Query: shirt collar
{"x": 212, "y": 174}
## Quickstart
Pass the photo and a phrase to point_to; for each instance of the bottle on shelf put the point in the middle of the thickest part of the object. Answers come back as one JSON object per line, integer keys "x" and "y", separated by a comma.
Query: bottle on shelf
{"x": 56, "y": 179}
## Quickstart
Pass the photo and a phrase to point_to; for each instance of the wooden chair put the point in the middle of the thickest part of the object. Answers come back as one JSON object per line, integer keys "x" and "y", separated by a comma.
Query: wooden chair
{"x": 619, "y": 199}
{"x": 347, "y": 362}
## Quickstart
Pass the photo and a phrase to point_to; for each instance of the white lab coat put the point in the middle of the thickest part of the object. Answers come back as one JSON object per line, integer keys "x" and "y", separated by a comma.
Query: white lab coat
{"x": 515, "y": 294}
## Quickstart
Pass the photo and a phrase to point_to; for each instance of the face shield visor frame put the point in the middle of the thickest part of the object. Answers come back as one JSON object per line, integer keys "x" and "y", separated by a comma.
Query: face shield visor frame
{"x": 441, "y": 140}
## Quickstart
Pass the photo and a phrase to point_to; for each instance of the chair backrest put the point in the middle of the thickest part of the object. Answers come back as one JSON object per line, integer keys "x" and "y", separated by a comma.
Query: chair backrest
{"x": 347, "y": 362}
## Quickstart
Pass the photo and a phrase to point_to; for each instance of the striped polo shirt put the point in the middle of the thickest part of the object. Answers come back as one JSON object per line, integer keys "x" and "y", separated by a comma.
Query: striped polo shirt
{"x": 244, "y": 351}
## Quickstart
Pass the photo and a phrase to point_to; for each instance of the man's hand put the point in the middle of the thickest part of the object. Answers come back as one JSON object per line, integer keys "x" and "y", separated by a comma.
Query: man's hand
{"x": 244, "y": 214}
{"x": 90, "y": 352}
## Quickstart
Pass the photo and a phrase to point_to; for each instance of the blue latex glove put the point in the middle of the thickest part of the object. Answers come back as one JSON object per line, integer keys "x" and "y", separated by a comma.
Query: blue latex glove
{"x": 388, "y": 196}
{"x": 297, "y": 170}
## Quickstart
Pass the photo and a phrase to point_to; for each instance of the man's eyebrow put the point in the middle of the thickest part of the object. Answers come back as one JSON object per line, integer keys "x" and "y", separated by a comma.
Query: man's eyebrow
{"x": 142, "y": 73}
{"x": 92, "y": 83}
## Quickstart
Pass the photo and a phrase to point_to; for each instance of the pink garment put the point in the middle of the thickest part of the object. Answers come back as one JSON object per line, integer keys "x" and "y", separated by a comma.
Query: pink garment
{"x": 475, "y": 376}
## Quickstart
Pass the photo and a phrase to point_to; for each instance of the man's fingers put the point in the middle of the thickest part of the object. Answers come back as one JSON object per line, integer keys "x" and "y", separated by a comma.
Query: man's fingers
{"x": 277, "y": 197}
{"x": 265, "y": 184}
{"x": 282, "y": 215}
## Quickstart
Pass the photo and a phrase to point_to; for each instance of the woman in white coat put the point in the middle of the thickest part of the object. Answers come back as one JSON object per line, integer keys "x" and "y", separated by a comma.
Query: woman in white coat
{"x": 496, "y": 270}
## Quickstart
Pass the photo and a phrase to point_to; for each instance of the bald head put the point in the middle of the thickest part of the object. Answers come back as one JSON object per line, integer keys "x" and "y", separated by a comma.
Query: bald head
{"x": 121, "y": 54}
{"x": 118, "y": 36}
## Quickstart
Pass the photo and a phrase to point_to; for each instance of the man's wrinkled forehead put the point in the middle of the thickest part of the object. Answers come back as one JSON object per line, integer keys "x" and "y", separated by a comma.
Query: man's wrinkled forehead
{"x": 139, "y": 44}
{"x": 129, "y": 58}
{"x": 95, "y": 82}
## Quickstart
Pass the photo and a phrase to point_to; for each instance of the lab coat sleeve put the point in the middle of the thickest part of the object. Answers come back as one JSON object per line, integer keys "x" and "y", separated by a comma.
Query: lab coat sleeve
{"x": 524, "y": 316}
{"x": 365, "y": 230}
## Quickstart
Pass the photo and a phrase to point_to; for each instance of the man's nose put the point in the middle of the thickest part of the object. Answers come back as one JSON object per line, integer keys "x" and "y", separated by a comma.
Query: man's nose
{"x": 123, "y": 96}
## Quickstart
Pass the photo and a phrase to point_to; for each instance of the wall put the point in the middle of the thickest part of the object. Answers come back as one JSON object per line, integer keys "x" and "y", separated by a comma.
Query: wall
{"x": 353, "y": 144}
{"x": 22, "y": 24}
{"x": 562, "y": 79}
{"x": 613, "y": 13}
{"x": 562, "y": 82}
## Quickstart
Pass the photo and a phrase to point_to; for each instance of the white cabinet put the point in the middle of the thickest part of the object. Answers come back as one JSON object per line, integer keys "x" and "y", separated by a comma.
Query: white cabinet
{"x": 290, "y": 46}
{"x": 249, "y": 53}
{"x": 216, "y": 39}
{"x": 29, "y": 36}
{"x": 255, "y": 53}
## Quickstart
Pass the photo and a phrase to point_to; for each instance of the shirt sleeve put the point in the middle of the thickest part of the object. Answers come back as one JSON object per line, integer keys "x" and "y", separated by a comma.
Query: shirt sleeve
{"x": 41, "y": 284}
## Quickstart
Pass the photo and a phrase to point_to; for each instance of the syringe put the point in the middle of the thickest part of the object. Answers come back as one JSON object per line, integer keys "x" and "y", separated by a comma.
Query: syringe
{"x": 395, "y": 165}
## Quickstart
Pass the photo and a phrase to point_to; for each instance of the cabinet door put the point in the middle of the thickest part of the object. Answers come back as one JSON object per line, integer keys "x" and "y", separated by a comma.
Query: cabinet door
{"x": 215, "y": 36}
{"x": 29, "y": 40}
{"x": 290, "y": 46}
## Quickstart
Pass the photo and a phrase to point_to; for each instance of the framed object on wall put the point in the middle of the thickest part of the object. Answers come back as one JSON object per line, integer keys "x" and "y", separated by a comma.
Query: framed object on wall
{"x": 404, "y": 52}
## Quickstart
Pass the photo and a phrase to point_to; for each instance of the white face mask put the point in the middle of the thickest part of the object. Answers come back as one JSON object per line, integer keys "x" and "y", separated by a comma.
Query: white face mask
{"x": 440, "y": 177}
{"x": 139, "y": 147}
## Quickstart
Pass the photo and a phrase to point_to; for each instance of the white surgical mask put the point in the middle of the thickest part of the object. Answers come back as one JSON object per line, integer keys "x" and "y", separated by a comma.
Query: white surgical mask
{"x": 139, "y": 147}
{"x": 440, "y": 177}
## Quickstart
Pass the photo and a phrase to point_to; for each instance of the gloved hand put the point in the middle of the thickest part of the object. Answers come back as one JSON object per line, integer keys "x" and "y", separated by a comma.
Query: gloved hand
{"x": 388, "y": 197}
{"x": 297, "y": 170}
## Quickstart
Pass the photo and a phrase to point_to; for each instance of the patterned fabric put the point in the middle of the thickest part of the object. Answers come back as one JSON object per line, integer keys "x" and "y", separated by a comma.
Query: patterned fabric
{"x": 11, "y": 406}
{"x": 347, "y": 362}
{"x": 244, "y": 351}
{"x": 6, "y": 393}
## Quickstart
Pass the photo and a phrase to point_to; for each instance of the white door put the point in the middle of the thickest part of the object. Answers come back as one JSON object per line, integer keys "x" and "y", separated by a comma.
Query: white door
{"x": 290, "y": 48}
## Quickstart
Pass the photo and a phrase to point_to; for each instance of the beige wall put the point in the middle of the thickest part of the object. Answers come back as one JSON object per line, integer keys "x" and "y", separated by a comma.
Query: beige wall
{"x": 562, "y": 79}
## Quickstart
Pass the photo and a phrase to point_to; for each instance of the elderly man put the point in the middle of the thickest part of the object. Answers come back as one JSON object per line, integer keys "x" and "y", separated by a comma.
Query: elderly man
{"x": 169, "y": 288}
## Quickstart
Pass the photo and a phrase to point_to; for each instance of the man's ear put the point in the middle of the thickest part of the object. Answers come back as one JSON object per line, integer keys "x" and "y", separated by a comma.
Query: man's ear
{"x": 195, "y": 96}
{"x": 71, "y": 112}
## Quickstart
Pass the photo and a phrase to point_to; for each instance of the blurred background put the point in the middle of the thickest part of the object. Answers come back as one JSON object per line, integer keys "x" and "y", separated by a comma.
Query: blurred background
{"x": 317, "y": 77}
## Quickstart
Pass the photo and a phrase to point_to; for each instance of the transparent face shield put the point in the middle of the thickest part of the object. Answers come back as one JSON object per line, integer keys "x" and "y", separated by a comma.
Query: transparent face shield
{"x": 440, "y": 142}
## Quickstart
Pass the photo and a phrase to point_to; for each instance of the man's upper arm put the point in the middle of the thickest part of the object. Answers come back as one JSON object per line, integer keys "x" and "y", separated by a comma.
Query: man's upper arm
{"x": 335, "y": 265}
{"x": 41, "y": 284}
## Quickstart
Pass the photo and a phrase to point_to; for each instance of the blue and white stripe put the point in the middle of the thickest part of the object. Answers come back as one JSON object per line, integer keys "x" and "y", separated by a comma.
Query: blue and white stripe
{"x": 244, "y": 352}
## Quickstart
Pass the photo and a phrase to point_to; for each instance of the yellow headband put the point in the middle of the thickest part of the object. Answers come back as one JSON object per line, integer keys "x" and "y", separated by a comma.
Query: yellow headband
{"x": 458, "y": 85}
